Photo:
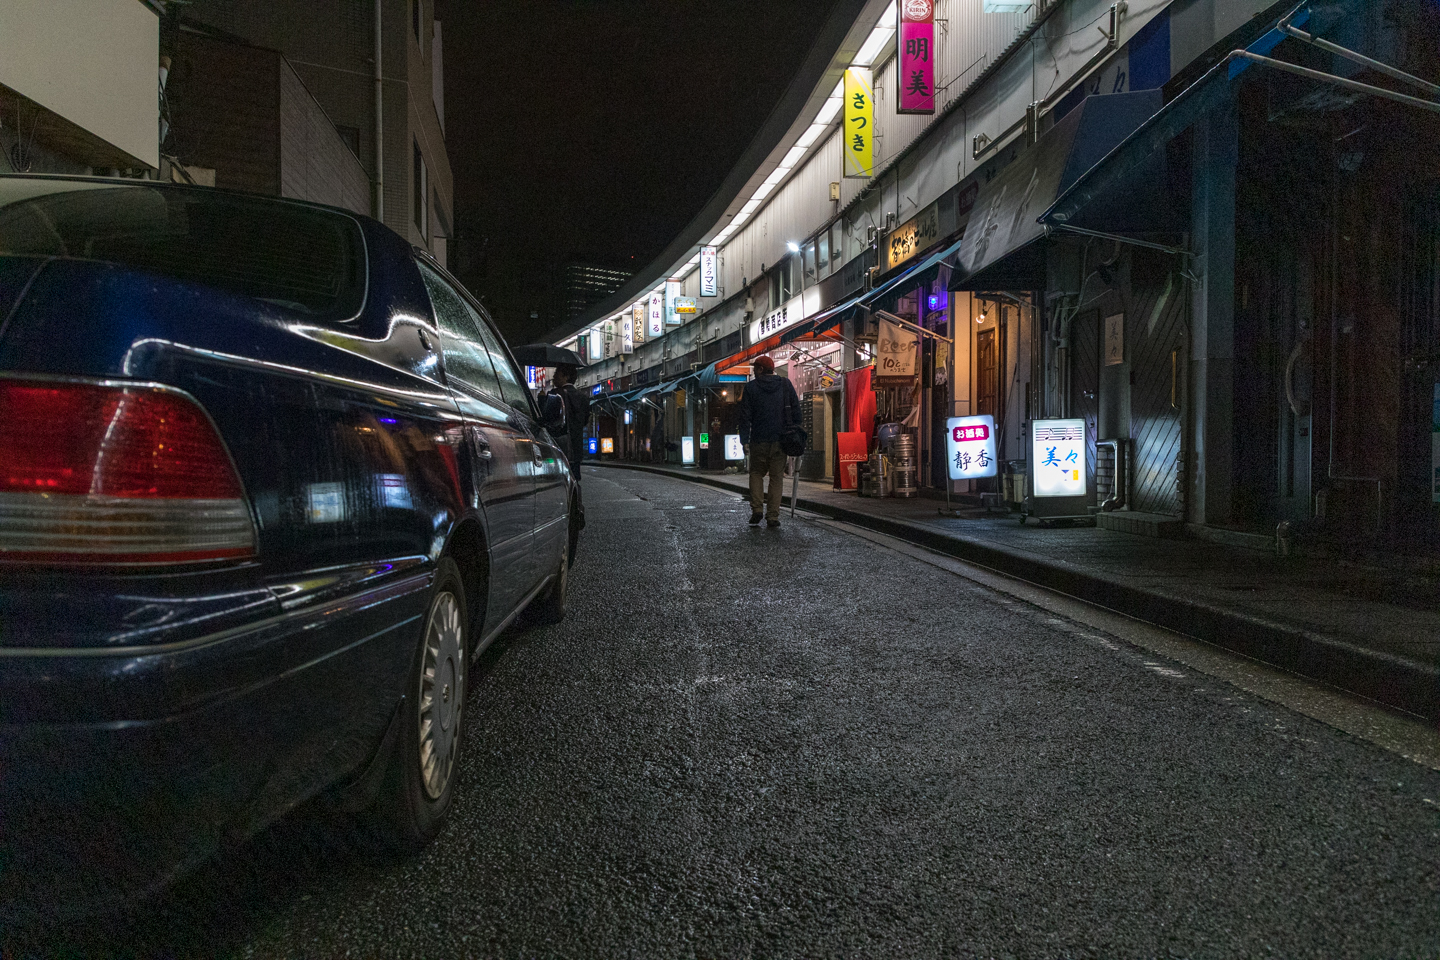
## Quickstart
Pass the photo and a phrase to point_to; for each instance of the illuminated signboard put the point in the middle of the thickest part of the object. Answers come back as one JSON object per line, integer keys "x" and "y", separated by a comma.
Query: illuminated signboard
{"x": 916, "y": 46}
{"x": 592, "y": 445}
{"x": 607, "y": 444}
{"x": 1057, "y": 451}
{"x": 704, "y": 441}
{"x": 686, "y": 305}
{"x": 637, "y": 321}
{"x": 672, "y": 297}
{"x": 687, "y": 449}
{"x": 627, "y": 335}
{"x": 970, "y": 447}
{"x": 655, "y": 326}
{"x": 858, "y": 135}
{"x": 709, "y": 272}
{"x": 734, "y": 450}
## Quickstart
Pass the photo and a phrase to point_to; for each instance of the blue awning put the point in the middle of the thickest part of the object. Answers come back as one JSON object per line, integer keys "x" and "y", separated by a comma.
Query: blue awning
{"x": 999, "y": 250}
{"x": 1117, "y": 169}
{"x": 831, "y": 317}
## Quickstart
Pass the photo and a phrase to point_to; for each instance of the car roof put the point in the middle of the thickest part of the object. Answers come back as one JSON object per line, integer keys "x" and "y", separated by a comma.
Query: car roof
{"x": 39, "y": 182}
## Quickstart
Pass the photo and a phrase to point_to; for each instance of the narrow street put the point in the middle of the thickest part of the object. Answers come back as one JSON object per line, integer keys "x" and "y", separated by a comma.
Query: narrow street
{"x": 778, "y": 743}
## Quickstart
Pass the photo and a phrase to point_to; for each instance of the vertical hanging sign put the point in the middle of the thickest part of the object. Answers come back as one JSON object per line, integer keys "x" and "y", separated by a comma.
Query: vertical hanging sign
{"x": 672, "y": 293}
{"x": 916, "y": 77}
{"x": 859, "y": 136}
{"x": 627, "y": 334}
{"x": 656, "y": 325}
{"x": 709, "y": 273}
{"x": 637, "y": 321}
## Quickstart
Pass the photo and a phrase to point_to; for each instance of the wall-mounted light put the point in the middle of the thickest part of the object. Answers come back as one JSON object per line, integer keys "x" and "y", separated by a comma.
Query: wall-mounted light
{"x": 792, "y": 246}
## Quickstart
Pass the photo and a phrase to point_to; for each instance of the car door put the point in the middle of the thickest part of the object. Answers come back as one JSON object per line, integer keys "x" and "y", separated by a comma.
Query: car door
{"x": 552, "y": 484}
{"x": 499, "y": 448}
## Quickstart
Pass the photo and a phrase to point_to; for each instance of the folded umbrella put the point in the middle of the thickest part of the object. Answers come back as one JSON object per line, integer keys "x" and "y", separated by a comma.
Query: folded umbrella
{"x": 546, "y": 355}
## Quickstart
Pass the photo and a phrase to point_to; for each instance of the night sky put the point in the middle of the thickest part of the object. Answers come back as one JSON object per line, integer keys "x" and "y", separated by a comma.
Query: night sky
{"x": 597, "y": 130}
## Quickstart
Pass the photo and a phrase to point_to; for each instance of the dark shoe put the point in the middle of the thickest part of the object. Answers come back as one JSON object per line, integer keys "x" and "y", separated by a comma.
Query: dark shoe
{"x": 755, "y": 519}
{"x": 772, "y": 524}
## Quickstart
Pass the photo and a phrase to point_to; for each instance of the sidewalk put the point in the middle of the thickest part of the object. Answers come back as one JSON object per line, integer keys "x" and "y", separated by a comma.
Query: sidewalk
{"x": 1371, "y": 631}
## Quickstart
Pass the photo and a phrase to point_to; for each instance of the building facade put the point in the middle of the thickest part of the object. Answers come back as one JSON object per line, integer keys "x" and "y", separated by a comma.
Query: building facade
{"x": 78, "y": 87}
{"x": 1172, "y": 268}
{"x": 330, "y": 47}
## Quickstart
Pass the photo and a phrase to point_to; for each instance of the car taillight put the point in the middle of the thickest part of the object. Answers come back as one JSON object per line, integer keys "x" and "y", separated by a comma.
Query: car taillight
{"x": 115, "y": 474}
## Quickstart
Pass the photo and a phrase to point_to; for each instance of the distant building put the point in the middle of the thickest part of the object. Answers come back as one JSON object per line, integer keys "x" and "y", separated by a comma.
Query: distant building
{"x": 586, "y": 284}
{"x": 78, "y": 87}
{"x": 326, "y": 65}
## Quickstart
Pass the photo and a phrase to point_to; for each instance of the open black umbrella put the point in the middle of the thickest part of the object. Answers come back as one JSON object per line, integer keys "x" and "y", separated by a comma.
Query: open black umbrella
{"x": 546, "y": 355}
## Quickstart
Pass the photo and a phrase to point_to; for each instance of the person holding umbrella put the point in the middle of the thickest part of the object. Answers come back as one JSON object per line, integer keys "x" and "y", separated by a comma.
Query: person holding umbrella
{"x": 577, "y": 413}
{"x": 567, "y": 364}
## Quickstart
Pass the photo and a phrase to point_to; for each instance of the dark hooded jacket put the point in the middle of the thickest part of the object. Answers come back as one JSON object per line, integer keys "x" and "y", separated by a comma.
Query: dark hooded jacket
{"x": 767, "y": 408}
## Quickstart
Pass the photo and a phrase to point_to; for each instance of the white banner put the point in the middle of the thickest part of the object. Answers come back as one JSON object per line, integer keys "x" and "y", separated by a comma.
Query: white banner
{"x": 895, "y": 353}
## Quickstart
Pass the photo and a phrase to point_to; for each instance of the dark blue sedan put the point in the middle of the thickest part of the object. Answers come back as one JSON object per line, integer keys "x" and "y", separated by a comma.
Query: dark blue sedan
{"x": 270, "y": 480}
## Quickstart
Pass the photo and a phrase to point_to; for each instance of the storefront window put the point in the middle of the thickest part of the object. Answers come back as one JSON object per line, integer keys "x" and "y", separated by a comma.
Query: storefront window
{"x": 822, "y": 247}
{"x": 837, "y": 242}
{"x": 809, "y": 254}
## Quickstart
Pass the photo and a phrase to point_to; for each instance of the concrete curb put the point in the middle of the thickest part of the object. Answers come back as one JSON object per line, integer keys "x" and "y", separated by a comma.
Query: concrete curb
{"x": 1390, "y": 680}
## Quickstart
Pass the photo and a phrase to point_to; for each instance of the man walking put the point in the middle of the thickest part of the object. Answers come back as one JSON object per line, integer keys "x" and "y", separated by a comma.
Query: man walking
{"x": 768, "y": 407}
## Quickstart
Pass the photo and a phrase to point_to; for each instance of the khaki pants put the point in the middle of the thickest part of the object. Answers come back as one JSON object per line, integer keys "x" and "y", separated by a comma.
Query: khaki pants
{"x": 767, "y": 458}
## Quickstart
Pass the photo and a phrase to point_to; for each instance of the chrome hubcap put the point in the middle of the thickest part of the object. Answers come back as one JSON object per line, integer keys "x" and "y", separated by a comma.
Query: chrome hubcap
{"x": 442, "y": 680}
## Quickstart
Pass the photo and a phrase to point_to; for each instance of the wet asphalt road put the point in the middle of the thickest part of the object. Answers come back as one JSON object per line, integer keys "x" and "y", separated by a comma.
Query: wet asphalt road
{"x": 784, "y": 743}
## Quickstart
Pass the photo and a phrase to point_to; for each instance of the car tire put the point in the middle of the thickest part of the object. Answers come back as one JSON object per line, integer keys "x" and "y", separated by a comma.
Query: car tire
{"x": 549, "y": 608}
{"x": 419, "y": 781}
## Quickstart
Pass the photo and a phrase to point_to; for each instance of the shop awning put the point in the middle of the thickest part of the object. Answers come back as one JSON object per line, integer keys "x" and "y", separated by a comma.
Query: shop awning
{"x": 1000, "y": 249}
{"x": 923, "y": 272}
{"x": 1128, "y": 160}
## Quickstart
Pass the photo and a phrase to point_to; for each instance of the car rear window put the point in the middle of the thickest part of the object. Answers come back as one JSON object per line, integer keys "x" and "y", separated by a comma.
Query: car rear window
{"x": 301, "y": 259}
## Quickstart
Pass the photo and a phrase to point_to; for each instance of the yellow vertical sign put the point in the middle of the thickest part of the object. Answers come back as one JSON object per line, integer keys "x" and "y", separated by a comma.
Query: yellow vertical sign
{"x": 859, "y": 134}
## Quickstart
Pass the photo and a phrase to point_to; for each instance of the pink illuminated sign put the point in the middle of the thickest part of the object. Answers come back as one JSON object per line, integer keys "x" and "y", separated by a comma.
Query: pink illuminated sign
{"x": 917, "y": 56}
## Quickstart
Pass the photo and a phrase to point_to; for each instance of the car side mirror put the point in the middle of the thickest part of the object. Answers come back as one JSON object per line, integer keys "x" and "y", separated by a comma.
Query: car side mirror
{"x": 552, "y": 413}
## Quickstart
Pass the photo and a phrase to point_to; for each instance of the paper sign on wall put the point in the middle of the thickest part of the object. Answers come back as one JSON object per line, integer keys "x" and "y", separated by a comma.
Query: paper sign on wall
{"x": 1057, "y": 449}
{"x": 1114, "y": 339}
{"x": 970, "y": 447}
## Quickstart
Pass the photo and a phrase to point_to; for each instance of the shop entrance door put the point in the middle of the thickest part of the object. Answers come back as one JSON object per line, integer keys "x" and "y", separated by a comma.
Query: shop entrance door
{"x": 987, "y": 385}
{"x": 1155, "y": 352}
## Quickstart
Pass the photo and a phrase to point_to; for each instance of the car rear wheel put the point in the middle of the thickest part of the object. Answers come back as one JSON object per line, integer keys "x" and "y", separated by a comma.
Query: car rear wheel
{"x": 419, "y": 783}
